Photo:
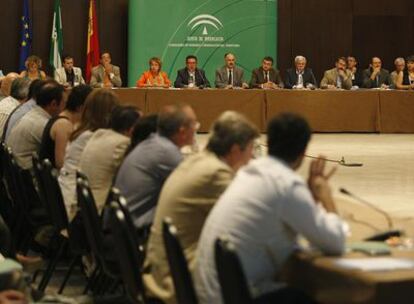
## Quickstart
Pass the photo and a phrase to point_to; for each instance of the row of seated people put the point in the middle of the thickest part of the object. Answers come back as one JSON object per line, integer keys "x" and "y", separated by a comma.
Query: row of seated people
{"x": 261, "y": 205}
{"x": 345, "y": 75}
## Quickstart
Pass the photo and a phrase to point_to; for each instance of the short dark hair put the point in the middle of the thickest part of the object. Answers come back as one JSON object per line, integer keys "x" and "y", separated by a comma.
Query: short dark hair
{"x": 124, "y": 118}
{"x": 229, "y": 129}
{"x": 20, "y": 88}
{"x": 268, "y": 58}
{"x": 34, "y": 88}
{"x": 50, "y": 91}
{"x": 105, "y": 52}
{"x": 67, "y": 56}
{"x": 191, "y": 57}
{"x": 410, "y": 58}
{"x": 77, "y": 97}
{"x": 144, "y": 127}
{"x": 172, "y": 119}
{"x": 288, "y": 135}
{"x": 340, "y": 58}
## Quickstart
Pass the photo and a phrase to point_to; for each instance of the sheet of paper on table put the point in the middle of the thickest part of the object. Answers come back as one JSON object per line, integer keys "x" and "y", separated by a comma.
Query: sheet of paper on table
{"x": 376, "y": 264}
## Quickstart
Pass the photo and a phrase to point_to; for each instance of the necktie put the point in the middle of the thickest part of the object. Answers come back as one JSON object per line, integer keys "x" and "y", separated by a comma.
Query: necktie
{"x": 230, "y": 77}
{"x": 377, "y": 80}
{"x": 339, "y": 82}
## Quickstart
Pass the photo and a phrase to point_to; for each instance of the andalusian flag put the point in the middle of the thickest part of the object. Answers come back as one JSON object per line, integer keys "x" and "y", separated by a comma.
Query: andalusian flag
{"x": 56, "y": 40}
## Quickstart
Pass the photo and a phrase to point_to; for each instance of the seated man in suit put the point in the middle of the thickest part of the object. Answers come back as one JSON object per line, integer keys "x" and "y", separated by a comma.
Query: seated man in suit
{"x": 338, "y": 77}
{"x": 191, "y": 77}
{"x": 399, "y": 64}
{"x": 266, "y": 77}
{"x": 352, "y": 66}
{"x": 230, "y": 76}
{"x": 300, "y": 77}
{"x": 68, "y": 75}
{"x": 377, "y": 77}
{"x": 191, "y": 191}
{"x": 106, "y": 75}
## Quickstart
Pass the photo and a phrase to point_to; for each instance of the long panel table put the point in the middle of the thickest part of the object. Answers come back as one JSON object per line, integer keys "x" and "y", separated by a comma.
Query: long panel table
{"x": 327, "y": 111}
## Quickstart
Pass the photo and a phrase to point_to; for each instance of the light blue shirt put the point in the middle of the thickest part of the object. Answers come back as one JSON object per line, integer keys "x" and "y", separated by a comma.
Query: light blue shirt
{"x": 18, "y": 114}
{"x": 143, "y": 173}
{"x": 262, "y": 213}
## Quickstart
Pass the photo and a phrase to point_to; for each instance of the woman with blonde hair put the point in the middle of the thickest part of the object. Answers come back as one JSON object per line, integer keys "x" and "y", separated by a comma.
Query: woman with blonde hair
{"x": 33, "y": 69}
{"x": 154, "y": 77}
{"x": 96, "y": 115}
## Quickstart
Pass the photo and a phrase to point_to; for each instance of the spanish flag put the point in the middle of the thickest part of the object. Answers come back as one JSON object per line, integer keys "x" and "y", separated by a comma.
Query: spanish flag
{"x": 92, "y": 51}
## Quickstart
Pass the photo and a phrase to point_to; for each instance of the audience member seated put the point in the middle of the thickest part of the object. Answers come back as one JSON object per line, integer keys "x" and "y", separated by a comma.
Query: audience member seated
{"x": 58, "y": 129}
{"x": 300, "y": 77}
{"x": 399, "y": 64}
{"x": 230, "y": 76}
{"x": 191, "y": 76}
{"x": 338, "y": 77}
{"x": 145, "y": 169}
{"x": 266, "y": 77}
{"x": 33, "y": 68}
{"x": 264, "y": 210}
{"x": 23, "y": 109}
{"x": 18, "y": 95}
{"x": 6, "y": 85}
{"x": 96, "y": 115}
{"x": 26, "y": 137}
{"x": 154, "y": 77}
{"x": 104, "y": 152}
{"x": 68, "y": 75}
{"x": 405, "y": 79}
{"x": 143, "y": 129}
{"x": 377, "y": 77}
{"x": 106, "y": 75}
{"x": 191, "y": 191}
{"x": 352, "y": 66}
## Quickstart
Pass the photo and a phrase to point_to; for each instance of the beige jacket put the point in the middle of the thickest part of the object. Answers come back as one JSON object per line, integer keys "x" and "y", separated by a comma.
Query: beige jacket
{"x": 98, "y": 74}
{"x": 100, "y": 160}
{"x": 187, "y": 198}
{"x": 330, "y": 77}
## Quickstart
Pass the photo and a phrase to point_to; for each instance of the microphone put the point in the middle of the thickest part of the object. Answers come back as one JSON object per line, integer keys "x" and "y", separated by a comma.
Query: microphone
{"x": 380, "y": 236}
{"x": 341, "y": 162}
{"x": 202, "y": 78}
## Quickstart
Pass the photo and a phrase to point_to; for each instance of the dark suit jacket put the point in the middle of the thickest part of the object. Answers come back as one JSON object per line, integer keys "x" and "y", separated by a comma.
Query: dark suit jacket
{"x": 183, "y": 77}
{"x": 384, "y": 77}
{"x": 258, "y": 78}
{"x": 292, "y": 78}
{"x": 358, "y": 78}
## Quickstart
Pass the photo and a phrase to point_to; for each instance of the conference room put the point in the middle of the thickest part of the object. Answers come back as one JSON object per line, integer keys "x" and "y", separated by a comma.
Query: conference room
{"x": 196, "y": 151}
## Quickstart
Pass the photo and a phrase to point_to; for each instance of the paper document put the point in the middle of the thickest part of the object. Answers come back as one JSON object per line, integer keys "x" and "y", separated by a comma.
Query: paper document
{"x": 376, "y": 264}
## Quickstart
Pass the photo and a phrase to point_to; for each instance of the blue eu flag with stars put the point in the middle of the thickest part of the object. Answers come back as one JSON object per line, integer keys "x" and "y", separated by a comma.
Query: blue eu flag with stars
{"x": 26, "y": 36}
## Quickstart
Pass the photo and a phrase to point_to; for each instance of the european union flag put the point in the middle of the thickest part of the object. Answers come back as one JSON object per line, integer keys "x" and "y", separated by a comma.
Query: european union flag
{"x": 26, "y": 36}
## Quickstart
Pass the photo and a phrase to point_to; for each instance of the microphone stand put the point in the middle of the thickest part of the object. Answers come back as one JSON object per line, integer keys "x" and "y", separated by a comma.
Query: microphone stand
{"x": 380, "y": 236}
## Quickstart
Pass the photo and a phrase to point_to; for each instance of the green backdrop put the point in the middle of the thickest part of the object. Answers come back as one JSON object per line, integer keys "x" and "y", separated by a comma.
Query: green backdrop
{"x": 173, "y": 29}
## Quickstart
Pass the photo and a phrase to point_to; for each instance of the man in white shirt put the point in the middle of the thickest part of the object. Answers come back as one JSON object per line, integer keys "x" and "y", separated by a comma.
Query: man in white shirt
{"x": 68, "y": 75}
{"x": 265, "y": 209}
{"x": 18, "y": 95}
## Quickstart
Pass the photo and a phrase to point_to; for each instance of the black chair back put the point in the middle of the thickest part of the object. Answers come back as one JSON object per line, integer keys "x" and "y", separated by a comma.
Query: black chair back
{"x": 53, "y": 195}
{"x": 234, "y": 288}
{"x": 128, "y": 253}
{"x": 90, "y": 217}
{"x": 183, "y": 282}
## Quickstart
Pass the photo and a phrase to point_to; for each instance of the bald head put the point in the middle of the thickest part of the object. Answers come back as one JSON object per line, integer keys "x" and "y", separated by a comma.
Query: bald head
{"x": 7, "y": 82}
